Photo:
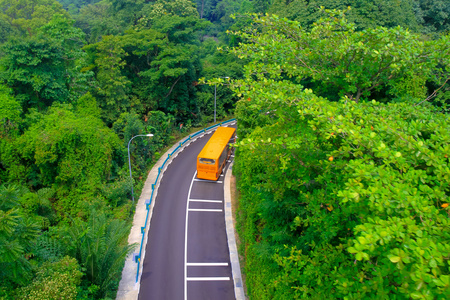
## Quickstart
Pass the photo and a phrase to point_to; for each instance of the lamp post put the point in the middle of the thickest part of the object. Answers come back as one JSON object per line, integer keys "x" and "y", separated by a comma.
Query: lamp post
{"x": 215, "y": 92}
{"x": 129, "y": 161}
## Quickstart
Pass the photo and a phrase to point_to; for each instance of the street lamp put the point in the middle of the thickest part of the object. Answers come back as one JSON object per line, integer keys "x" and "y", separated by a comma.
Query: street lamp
{"x": 215, "y": 92}
{"x": 129, "y": 161}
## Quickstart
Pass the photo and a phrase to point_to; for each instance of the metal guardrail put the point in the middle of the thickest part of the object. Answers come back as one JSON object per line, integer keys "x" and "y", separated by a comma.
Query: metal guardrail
{"x": 137, "y": 257}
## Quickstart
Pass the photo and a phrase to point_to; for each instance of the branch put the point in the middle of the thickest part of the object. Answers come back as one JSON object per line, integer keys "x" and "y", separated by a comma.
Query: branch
{"x": 434, "y": 93}
{"x": 173, "y": 85}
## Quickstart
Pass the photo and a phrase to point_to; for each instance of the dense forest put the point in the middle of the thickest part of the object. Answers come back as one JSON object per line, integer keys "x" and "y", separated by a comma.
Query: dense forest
{"x": 343, "y": 160}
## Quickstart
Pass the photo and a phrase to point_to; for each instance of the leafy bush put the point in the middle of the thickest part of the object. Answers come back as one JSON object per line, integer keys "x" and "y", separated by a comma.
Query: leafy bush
{"x": 345, "y": 199}
{"x": 54, "y": 280}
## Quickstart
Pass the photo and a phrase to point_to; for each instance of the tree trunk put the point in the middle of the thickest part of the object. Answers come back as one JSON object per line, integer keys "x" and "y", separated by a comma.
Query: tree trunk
{"x": 201, "y": 12}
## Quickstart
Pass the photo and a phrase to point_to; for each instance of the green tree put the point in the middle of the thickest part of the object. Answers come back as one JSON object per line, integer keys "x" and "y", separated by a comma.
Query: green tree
{"x": 335, "y": 60}
{"x": 33, "y": 68}
{"x": 100, "y": 248}
{"x": 149, "y": 69}
{"x": 28, "y": 15}
{"x": 46, "y": 67}
{"x": 95, "y": 20}
{"x": 364, "y": 13}
{"x": 6, "y": 29}
{"x": 72, "y": 153}
{"x": 113, "y": 87}
{"x": 71, "y": 40}
{"x": 17, "y": 236}
{"x": 73, "y": 6}
{"x": 10, "y": 110}
{"x": 433, "y": 16}
{"x": 339, "y": 199}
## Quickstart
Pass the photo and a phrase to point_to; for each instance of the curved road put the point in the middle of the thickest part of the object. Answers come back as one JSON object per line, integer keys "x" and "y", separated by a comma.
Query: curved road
{"x": 187, "y": 254}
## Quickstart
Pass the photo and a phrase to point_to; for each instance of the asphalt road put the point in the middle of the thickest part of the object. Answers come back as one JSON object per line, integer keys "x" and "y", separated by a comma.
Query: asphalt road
{"x": 196, "y": 267}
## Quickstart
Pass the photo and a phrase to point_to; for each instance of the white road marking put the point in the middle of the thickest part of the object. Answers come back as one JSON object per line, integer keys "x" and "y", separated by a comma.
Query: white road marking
{"x": 206, "y": 210}
{"x": 210, "y": 201}
{"x": 202, "y": 180}
{"x": 185, "y": 237}
{"x": 207, "y": 264}
{"x": 208, "y": 278}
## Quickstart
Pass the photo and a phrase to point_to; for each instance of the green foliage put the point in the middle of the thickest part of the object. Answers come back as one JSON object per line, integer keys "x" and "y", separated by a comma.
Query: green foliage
{"x": 344, "y": 199}
{"x": 50, "y": 245}
{"x": 67, "y": 113}
{"x": 28, "y": 15}
{"x": 216, "y": 64}
{"x": 100, "y": 247}
{"x": 46, "y": 67}
{"x": 34, "y": 70}
{"x": 87, "y": 106}
{"x": 10, "y": 111}
{"x": 6, "y": 29}
{"x": 54, "y": 280}
{"x": 96, "y": 20}
{"x": 141, "y": 150}
{"x": 433, "y": 16}
{"x": 73, "y": 153}
{"x": 71, "y": 40}
{"x": 73, "y": 6}
{"x": 113, "y": 87}
{"x": 378, "y": 200}
{"x": 219, "y": 11}
{"x": 161, "y": 126}
{"x": 18, "y": 233}
{"x": 336, "y": 60}
{"x": 148, "y": 69}
{"x": 181, "y": 8}
{"x": 364, "y": 13}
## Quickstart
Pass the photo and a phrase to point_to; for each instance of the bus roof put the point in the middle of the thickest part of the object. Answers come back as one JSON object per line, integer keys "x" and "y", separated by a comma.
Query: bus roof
{"x": 217, "y": 143}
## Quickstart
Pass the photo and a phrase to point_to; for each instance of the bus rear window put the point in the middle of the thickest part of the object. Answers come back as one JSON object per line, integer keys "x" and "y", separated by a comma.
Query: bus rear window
{"x": 207, "y": 161}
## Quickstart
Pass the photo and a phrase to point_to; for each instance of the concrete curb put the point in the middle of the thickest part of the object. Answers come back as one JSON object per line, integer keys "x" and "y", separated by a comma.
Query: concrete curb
{"x": 234, "y": 255}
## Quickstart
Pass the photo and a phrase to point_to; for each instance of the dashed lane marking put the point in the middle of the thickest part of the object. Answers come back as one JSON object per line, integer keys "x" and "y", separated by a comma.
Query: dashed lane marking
{"x": 210, "y": 181}
{"x": 205, "y": 210}
{"x": 207, "y": 278}
{"x": 207, "y": 264}
{"x": 204, "y": 200}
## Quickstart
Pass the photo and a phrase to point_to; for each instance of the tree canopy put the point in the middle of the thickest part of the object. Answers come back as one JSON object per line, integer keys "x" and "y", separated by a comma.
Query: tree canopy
{"x": 340, "y": 195}
{"x": 348, "y": 197}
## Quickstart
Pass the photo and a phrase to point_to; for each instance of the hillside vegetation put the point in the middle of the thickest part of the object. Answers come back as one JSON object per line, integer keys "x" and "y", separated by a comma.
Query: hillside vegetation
{"x": 344, "y": 199}
{"x": 343, "y": 160}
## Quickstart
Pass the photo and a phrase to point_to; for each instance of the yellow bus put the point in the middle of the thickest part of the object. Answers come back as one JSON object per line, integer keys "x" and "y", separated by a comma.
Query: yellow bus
{"x": 212, "y": 158}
